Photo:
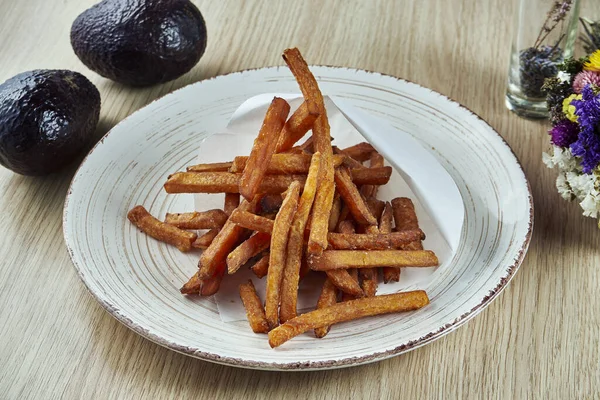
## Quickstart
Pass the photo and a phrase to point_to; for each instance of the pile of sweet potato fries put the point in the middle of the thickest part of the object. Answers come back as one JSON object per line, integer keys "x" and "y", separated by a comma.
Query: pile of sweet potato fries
{"x": 307, "y": 207}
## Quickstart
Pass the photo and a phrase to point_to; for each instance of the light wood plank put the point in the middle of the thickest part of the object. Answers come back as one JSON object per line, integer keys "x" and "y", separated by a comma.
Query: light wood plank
{"x": 540, "y": 338}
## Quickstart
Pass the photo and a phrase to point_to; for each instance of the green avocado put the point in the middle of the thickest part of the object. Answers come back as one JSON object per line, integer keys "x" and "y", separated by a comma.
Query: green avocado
{"x": 47, "y": 117}
{"x": 140, "y": 42}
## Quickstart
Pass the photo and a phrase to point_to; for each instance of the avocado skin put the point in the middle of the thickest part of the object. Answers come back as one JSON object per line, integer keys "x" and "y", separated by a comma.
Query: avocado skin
{"x": 140, "y": 42}
{"x": 47, "y": 117}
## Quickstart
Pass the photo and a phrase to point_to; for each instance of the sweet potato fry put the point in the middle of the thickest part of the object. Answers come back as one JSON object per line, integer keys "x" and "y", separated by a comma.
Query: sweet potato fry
{"x": 346, "y": 281}
{"x": 291, "y": 273}
{"x": 335, "y": 259}
{"x": 386, "y": 219}
{"x": 342, "y": 279}
{"x": 203, "y": 241}
{"x": 227, "y": 238}
{"x": 212, "y": 167}
{"x": 294, "y": 150}
{"x": 252, "y": 221}
{"x": 370, "y": 276}
{"x": 248, "y": 249}
{"x": 261, "y": 267}
{"x": 348, "y": 311}
{"x": 232, "y": 201}
{"x": 327, "y": 298}
{"x": 346, "y": 227}
{"x": 161, "y": 231}
{"x": 197, "y": 220}
{"x": 352, "y": 198}
{"x": 322, "y": 143}
{"x": 376, "y": 207}
{"x": 279, "y": 241}
{"x": 319, "y": 224}
{"x": 284, "y": 163}
{"x": 405, "y": 219}
{"x": 345, "y": 219}
{"x": 276, "y": 184}
{"x": 297, "y": 125}
{"x": 353, "y": 273}
{"x": 204, "y": 287}
{"x": 270, "y": 203}
{"x": 192, "y": 286}
{"x": 263, "y": 148}
{"x": 376, "y": 161}
{"x": 225, "y": 182}
{"x": 359, "y": 152}
{"x": 211, "y": 285}
{"x": 254, "y": 308}
{"x": 390, "y": 274}
{"x": 304, "y": 268}
{"x": 308, "y": 147}
{"x": 371, "y": 176}
{"x": 203, "y": 182}
{"x": 373, "y": 241}
{"x": 369, "y": 281}
{"x": 348, "y": 161}
{"x": 334, "y": 217}
{"x": 404, "y": 214}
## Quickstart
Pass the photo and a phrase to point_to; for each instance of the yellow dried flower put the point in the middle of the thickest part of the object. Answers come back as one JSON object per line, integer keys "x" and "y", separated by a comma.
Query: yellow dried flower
{"x": 568, "y": 109}
{"x": 594, "y": 62}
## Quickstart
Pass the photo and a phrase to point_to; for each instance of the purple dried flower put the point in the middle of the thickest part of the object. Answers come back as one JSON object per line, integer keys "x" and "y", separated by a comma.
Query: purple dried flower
{"x": 587, "y": 145}
{"x": 557, "y": 13}
{"x": 562, "y": 10}
{"x": 564, "y": 133}
{"x": 588, "y": 109}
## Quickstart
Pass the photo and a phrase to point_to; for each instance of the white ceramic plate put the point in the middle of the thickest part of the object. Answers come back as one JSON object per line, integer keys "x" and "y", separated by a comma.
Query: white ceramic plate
{"x": 137, "y": 279}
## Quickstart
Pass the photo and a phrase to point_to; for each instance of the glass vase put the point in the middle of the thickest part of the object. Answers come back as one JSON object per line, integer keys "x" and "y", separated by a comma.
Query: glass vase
{"x": 544, "y": 35}
{"x": 589, "y": 32}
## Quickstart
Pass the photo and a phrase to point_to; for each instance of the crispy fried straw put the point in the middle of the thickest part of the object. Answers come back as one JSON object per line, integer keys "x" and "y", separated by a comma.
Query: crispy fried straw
{"x": 254, "y": 308}
{"x": 348, "y": 311}
{"x": 279, "y": 241}
{"x": 264, "y": 147}
{"x": 322, "y": 143}
{"x": 159, "y": 230}
{"x": 291, "y": 276}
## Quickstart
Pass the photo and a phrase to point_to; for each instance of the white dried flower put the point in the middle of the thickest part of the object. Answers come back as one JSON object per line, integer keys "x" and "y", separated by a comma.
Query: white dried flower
{"x": 581, "y": 184}
{"x": 547, "y": 159}
{"x": 563, "y": 76}
{"x": 561, "y": 158}
{"x": 572, "y": 183}
{"x": 590, "y": 206}
{"x": 564, "y": 189}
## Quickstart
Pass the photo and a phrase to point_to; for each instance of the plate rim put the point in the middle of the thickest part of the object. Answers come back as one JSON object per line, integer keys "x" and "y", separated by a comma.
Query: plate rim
{"x": 114, "y": 311}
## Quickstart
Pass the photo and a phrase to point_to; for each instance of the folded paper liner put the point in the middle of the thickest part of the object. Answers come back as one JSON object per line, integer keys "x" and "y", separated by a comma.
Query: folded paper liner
{"x": 416, "y": 174}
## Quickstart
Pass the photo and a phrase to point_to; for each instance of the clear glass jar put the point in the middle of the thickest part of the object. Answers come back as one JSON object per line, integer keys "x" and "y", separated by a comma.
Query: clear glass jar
{"x": 544, "y": 35}
{"x": 590, "y": 28}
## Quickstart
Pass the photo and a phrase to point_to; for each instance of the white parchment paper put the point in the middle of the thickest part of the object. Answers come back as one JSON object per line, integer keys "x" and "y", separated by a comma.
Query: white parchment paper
{"x": 417, "y": 174}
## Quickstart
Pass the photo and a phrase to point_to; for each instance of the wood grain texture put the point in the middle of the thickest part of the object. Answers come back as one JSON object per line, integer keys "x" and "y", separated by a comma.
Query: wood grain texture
{"x": 539, "y": 339}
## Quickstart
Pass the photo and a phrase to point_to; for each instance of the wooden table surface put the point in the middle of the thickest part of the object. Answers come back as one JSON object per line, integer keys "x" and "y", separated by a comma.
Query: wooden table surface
{"x": 540, "y": 338}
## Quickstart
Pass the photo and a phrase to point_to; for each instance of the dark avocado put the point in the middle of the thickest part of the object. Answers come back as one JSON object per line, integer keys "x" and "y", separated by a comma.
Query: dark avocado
{"x": 47, "y": 117}
{"x": 140, "y": 42}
